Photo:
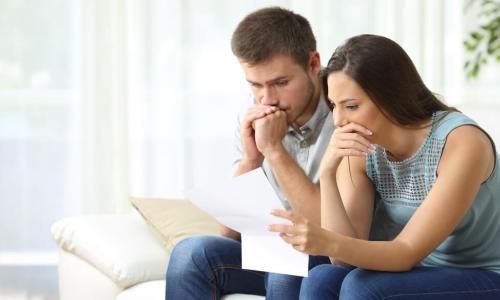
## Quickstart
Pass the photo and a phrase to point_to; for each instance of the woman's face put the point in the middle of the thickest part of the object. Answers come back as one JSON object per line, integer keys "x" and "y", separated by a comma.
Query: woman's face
{"x": 352, "y": 105}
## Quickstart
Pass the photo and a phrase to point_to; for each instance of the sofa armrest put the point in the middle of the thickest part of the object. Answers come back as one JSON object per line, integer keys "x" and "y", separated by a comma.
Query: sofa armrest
{"x": 120, "y": 246}
{"x": 78, "y": 280}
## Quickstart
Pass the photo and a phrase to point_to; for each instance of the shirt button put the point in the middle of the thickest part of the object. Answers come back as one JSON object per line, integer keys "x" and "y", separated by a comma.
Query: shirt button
{"x": 303, "y": 144}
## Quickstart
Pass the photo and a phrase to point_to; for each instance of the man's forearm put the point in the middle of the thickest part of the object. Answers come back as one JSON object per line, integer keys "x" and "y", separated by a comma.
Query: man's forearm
{"x": 302, "y": 194}
{"x": 246, "y": 165}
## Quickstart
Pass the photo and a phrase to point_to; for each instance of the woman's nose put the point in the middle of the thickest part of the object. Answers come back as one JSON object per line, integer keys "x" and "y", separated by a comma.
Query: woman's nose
{"x": 338, "y": 119}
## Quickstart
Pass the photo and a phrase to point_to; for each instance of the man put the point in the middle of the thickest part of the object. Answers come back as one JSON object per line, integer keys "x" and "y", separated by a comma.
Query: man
{"x": 285, "y": 131}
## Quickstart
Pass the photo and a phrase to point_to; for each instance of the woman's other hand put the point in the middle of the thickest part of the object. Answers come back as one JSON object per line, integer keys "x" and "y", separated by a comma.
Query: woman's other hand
{"x": 348, "y": 140}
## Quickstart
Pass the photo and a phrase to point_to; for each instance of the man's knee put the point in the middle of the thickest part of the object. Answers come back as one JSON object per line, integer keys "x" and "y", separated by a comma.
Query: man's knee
{"x": 190, "y": 254}
{"x": 195, "y": 244}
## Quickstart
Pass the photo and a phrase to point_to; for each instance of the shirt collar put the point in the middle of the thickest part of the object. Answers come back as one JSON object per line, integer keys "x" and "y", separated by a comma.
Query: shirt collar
{"x": 316, "y": 119}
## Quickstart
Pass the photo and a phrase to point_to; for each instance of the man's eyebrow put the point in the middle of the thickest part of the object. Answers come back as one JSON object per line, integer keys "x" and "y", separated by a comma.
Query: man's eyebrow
{"x": 278, "y": 78}
{"x": 271, "y": 80}
{"x": 253, "y": 82}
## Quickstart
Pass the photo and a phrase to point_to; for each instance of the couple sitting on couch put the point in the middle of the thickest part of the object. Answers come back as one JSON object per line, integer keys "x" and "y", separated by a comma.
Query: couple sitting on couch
{"x": 433, "y": 168}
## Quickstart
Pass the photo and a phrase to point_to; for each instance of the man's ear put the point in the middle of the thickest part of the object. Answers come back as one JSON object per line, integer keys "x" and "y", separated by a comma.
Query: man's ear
{"x": 314, "y": 62}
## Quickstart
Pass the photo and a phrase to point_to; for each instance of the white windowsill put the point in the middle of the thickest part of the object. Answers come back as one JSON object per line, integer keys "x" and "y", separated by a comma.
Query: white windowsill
{"x": 28, "y": 258}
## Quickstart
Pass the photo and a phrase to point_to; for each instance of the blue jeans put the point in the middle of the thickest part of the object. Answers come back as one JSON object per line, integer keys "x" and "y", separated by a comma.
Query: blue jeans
{"x": 207, "y": 267}
{"x": 334, "y": 282}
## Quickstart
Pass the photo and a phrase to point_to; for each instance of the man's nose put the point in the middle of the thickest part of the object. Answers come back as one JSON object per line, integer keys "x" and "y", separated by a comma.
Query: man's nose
{"x": 269, "y": 97}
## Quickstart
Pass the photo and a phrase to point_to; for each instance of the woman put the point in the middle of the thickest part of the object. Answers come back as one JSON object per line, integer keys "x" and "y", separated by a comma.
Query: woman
{"x": 434, "y": 170}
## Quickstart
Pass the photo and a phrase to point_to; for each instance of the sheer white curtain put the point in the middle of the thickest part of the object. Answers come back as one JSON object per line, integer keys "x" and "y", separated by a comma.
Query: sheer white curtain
{"x": 100, "y": 100}
{"x": 103, "y": 99}
{"x": 39, "y": 162}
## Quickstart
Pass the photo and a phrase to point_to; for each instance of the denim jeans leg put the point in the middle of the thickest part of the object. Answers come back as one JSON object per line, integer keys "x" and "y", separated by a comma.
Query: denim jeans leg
{"x": 426, "y": 283}
{"x": 207, "y": 267}
{"x": 323, "y": 283}
{"x": 281, "y": 286}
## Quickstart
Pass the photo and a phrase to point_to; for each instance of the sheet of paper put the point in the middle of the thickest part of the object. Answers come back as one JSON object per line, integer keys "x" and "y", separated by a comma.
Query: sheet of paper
{"x": 270, "y": 253}
{"x": 244, "y": 204}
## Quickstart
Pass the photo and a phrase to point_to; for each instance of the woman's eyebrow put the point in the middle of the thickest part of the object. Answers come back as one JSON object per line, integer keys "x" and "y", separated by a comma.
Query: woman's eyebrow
{"x": 343, "y": 100}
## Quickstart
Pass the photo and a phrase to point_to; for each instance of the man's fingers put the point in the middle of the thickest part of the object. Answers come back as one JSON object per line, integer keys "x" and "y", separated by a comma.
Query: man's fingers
{"x": 271, "y": 110}
{"x": 252, "y": 116}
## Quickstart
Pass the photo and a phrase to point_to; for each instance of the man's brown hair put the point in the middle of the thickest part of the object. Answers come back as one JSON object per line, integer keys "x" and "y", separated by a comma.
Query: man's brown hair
{"x": 271, "y": 31}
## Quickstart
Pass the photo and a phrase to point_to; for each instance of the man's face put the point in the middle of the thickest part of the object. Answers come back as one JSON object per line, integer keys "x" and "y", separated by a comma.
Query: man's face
{"x": 281, "y": 82}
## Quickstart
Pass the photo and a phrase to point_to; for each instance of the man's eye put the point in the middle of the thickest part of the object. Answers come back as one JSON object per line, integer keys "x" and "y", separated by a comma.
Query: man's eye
{"x": 281, "y": 83}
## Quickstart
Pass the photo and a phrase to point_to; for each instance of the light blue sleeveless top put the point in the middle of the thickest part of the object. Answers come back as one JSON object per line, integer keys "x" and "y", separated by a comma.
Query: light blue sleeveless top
{"x": 403, "y": 186}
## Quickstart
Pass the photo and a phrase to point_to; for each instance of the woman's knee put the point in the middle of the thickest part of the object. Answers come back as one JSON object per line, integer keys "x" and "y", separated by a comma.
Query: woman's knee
{"x": 323, "y": 282}
{"x": 358, "y": 285}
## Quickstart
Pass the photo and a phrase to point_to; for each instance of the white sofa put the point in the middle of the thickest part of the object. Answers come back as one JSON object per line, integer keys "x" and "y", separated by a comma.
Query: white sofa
{"x": 104, "y": 257}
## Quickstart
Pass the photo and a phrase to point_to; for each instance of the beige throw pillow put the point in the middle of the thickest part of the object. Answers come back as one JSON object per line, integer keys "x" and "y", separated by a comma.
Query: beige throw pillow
{"x": 173, "y": 220}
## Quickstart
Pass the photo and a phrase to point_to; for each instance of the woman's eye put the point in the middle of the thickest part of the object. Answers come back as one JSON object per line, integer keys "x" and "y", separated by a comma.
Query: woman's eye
{"x": 351, "y": 107}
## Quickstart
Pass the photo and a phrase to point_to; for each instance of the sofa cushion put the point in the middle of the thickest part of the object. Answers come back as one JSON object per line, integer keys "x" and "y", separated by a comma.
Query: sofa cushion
{"x": 151, "y": 290}
{"x": 120, "y": 246}
{"x": 155, "y": 290}
{"x": 173, "y": 220}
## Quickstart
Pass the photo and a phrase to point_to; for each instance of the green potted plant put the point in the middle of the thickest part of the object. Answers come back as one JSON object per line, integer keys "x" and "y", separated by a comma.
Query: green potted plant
{"x": 482, "y": 44}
